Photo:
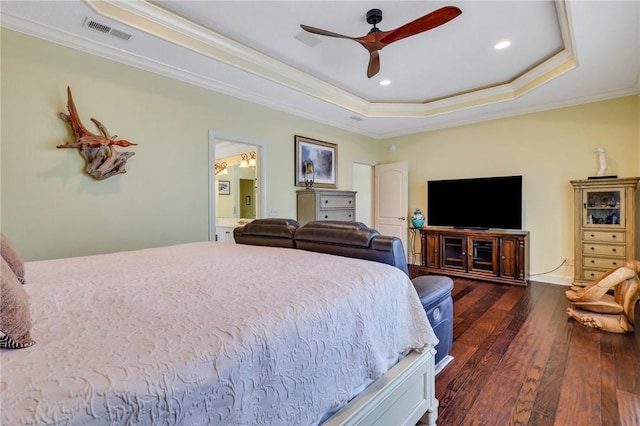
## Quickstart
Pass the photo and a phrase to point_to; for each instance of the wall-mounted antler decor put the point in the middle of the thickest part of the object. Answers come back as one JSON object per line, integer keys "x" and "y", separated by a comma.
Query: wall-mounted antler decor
{"x": 99, "y": 152}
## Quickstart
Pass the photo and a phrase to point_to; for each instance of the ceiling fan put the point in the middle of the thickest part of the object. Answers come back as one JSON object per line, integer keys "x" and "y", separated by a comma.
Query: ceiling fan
{"x": 375, "y": 40}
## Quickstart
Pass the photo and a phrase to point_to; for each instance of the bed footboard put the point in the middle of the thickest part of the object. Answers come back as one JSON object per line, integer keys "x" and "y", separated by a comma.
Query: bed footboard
{"x": 405, "y": 395}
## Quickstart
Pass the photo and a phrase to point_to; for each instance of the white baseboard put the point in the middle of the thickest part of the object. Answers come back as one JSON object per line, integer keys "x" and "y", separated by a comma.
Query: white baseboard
{"x": 552, "y": 279}
{"x": 443, "y": 363}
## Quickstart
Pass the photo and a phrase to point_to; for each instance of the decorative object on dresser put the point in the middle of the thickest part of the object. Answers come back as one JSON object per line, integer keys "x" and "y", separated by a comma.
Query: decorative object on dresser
{"x": 308, "y": 174}
{"x": 315, "y": 204}
{"x": 417, "y": 219}
{"x": 604, "y": 226}
{"x": 602, "y": 161}
{"x": 101, "y": 157}
{"x": 497, "y": 255}
{"x": 316, "y": 163}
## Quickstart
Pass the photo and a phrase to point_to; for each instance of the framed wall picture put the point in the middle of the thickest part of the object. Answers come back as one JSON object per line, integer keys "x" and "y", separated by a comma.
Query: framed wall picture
{"x": 316, "y": 163}
{"x": 224, "y": 187}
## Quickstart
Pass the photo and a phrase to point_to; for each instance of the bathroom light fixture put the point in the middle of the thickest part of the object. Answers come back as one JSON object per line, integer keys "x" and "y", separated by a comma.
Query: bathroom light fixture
{"x": 221, "y": 168}
{"x": 248, "y": 160}
{"x": 244, "y": 162}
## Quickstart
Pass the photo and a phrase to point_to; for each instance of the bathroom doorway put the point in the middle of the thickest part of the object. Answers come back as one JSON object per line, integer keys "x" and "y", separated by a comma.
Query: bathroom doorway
{"x": 237, "y": 176}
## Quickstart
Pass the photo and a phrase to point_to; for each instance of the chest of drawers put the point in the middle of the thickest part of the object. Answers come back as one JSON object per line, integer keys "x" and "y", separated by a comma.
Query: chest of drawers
{"x": 604, "y": 229}
{"x": 313, "y": 204}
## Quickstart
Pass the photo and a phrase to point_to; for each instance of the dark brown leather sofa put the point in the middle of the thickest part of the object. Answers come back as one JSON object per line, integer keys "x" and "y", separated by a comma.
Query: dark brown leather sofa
{"x": 348, "y": 239}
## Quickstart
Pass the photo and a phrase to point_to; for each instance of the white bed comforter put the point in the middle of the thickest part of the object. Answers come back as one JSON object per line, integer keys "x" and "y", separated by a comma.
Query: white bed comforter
{"x": 206, "y": 333}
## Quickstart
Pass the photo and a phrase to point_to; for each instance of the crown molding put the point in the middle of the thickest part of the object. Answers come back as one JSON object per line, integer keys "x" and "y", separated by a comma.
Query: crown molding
{"x": 185, "y": 33}
{"x": 152, "y": 19}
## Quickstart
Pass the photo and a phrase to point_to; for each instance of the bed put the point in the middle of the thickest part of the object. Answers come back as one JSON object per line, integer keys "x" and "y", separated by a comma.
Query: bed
{"x": 218, "y": 333}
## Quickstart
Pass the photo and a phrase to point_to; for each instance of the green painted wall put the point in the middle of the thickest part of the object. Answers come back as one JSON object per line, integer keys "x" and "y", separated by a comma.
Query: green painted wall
{"x": 51, "y": 209}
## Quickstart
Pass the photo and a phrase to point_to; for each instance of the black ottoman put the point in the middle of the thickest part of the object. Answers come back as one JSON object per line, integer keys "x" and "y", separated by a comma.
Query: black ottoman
{"x": 435, "y": 294}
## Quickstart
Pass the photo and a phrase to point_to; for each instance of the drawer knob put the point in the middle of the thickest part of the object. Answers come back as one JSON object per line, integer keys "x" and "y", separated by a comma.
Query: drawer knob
{"x": 592, "y": 235}
{"x": 326, "y": 217}
{"x": 349, "y": 201}
{"x": 614, "y": 250}
{"x": 593, "y": 261}
{"x": 349, "y": 215}
{"x": 326, "y": 201}
{"x": 435, "y": 251}
{"x": 593, "y": 248}
{"x": 463, "y": 253}
{"x": 615, "y": 263}
{"x": 613, "y": 236}
{"x": 502, "y": 257}
{"x": 592, "y": 274}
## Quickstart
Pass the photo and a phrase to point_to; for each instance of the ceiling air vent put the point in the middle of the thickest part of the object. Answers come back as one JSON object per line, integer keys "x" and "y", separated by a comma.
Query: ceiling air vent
{"x": 106, "y": 29}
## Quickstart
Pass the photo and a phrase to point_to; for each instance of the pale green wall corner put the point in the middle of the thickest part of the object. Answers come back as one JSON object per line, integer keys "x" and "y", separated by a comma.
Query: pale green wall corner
{"x": 548, "y": 148}
{"x": 50, "y": 209}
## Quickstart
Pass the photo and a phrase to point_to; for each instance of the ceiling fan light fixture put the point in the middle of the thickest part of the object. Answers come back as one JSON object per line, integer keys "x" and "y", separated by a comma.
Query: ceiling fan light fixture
{"x": 502, "y": 45}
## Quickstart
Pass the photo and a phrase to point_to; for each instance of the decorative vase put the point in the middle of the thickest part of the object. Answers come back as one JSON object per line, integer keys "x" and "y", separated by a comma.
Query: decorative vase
{"x": 417, "y": 219}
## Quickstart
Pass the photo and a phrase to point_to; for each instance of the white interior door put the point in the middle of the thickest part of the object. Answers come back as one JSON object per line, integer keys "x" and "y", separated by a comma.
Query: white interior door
{"x": 392, "y": 200}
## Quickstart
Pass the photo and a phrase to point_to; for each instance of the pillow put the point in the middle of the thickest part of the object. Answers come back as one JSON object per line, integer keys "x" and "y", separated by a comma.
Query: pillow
{"x": 11, "y": 256}
{"x": 15, "y": 318}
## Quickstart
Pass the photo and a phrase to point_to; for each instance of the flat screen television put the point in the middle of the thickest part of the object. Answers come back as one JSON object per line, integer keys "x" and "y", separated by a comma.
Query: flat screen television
{"x": 477, "y": 203}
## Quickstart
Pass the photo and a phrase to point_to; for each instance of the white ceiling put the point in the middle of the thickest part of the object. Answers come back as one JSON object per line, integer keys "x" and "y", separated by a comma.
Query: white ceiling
{"x": 562, "y": 54}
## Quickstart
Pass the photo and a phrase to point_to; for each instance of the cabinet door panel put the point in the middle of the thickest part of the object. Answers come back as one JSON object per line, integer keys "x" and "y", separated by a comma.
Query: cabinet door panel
{"x": 432, "y": 250}
{"x": 603, "y": 207}
{"x": 508, "y": 264}
{"x": 483, "y": 255}
{"x": 453, "y": 249}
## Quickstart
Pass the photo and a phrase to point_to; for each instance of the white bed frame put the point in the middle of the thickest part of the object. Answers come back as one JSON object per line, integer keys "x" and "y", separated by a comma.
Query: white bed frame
{"x": 405, "y": 395}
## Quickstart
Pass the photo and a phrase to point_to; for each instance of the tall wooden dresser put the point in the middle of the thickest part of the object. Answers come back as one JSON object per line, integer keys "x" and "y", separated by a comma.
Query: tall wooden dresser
{"x": 316, "y": 204}
{"x": 604, "y": 230}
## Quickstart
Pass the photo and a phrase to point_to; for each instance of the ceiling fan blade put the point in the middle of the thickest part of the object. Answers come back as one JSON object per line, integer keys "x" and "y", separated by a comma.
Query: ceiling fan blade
{"x": 427, "y": 22}
{"x": 374, "y": 63}
{"x": 323, "y": 32}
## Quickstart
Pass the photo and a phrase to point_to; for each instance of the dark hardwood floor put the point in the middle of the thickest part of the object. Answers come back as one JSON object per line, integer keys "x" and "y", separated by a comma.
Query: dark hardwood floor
{"x": 519, "y": 360}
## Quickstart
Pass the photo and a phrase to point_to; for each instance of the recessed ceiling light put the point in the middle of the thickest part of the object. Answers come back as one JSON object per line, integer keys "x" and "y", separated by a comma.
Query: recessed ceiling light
{"x": 385, "y": 82}
{"x": 502, "y": 45}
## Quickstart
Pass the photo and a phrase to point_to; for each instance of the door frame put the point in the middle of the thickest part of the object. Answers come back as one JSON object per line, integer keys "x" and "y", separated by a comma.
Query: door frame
{"x": 370, "y": 191}
{"x": 261, "y": 174}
